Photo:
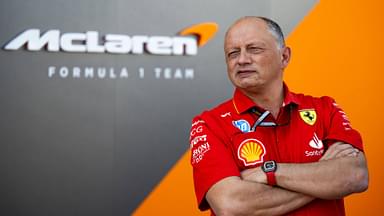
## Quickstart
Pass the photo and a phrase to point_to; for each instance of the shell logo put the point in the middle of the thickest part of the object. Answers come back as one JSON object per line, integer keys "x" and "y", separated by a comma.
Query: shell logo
{"x": 251, "y": 152}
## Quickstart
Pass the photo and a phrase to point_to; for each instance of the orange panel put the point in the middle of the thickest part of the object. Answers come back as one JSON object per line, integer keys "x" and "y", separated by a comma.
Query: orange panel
{"x": 174, "y": 195}
{"x": 337, "y": 52}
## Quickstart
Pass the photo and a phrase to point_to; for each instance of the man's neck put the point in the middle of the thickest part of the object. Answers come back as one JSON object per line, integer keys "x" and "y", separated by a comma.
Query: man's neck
{"x": 270, "y": 99}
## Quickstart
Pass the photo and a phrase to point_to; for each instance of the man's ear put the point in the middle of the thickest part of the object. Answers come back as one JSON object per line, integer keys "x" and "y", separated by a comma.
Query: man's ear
{"x": 285, "y": 56}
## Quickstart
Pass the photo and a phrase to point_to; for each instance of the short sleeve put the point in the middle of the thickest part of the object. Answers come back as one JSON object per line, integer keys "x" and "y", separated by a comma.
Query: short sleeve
{"x": 211, "y": 158}
{"x": 338, "y": 126}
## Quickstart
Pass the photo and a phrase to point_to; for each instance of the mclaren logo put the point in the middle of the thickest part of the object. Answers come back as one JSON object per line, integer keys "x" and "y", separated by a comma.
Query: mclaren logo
{"x": 186, "y": 43}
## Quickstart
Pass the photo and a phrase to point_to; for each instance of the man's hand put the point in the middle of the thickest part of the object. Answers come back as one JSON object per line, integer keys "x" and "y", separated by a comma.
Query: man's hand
{"x": 339, "y": 149}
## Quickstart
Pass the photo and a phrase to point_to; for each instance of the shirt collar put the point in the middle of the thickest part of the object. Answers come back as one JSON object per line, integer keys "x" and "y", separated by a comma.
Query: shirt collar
{"x": 243, "y": 103}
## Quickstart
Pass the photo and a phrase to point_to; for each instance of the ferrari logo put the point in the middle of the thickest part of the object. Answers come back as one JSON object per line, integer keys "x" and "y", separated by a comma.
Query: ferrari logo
{"x": 309, "y": 116}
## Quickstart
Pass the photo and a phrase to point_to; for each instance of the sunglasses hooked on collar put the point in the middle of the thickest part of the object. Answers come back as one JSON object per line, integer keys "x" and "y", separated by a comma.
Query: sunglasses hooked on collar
{"x": 260, "y": 120}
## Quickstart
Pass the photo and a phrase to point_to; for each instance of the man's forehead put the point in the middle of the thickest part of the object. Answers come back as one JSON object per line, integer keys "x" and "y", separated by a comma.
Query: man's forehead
{"x": 246, "y": 33}
{"x": 247, "y": 22}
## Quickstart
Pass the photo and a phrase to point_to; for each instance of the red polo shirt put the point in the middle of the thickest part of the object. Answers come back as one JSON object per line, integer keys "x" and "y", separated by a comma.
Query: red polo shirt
{"x": 224, "y": 140}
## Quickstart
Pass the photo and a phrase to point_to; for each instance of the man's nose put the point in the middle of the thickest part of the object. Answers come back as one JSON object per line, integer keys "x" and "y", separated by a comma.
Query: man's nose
{"x": 244, "y": 58}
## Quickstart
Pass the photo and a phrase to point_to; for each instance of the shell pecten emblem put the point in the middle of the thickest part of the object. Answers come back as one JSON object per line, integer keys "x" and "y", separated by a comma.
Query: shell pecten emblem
{"x": 251, "y": 152}
{"x": 203, "y": 31}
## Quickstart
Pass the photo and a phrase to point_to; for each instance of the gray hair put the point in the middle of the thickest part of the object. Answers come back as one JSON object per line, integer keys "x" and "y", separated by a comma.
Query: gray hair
{"x": 272, "y": 27}
{"x": 275, "y": 30}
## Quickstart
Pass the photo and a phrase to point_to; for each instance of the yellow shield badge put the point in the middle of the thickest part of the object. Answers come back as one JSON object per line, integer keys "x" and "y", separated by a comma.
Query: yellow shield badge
{"x": 309, "y": 116}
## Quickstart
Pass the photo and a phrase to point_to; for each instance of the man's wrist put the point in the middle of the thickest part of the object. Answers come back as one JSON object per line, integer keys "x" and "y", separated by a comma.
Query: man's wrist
{"x": 269, "y": 168}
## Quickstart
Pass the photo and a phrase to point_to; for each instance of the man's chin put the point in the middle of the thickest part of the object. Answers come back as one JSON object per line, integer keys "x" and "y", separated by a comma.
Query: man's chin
{"x": 247, "y": 86}
{"x": 247, "y": 83}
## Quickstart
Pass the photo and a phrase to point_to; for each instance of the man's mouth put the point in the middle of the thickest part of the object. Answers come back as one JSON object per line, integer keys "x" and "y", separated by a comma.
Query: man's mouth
{"x": 243, "y": 73}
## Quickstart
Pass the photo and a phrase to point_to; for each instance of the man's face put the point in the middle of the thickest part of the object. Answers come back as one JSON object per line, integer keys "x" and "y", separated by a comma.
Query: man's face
{"x": 253, "y": 57}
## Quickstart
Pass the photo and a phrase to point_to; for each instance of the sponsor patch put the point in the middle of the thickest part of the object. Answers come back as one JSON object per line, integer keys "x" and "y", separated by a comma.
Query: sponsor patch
{"x": 225, "y": 114}
{"x": 202, "y": 138}
{"x": 198, "y": 152}
{"x": 197, "y": 122}
{"x": 251, "y": 152}
{"x": 309, "y": 116}
{"x": 196, "y": 130}
{"x": 243, "y": 125}
{"x": 346, "y": 123}
{"x": 317, "y": 144}
{"x": 314, "y": 153}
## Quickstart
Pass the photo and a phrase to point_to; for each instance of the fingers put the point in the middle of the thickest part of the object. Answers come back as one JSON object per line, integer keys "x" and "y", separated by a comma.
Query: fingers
{"x": 334, "y": 149}
{"x": 348, "y": 152}
{"x": 339, "y": 149}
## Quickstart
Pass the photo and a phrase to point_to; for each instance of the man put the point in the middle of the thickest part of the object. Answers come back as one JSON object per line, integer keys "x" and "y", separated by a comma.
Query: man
{"x": 269, "y": 151}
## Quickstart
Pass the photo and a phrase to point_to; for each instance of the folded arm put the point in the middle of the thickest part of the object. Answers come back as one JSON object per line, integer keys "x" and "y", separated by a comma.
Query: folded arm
{"x": 235, "y": 196}
{"x": 341, "y": 171}
{"x": 330, "y": 178}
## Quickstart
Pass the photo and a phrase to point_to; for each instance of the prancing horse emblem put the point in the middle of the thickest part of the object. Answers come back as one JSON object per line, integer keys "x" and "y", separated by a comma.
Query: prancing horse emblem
{"x": 308, "y": 115}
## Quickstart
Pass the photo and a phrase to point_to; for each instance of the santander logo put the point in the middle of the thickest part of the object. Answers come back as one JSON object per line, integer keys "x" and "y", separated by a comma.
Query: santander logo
{"x": 316, "y": 142}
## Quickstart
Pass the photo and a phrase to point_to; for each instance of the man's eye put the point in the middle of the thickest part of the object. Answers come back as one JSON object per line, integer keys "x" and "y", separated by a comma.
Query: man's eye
{"x": 255, "y": 49}
{"x": 232, "y": 54}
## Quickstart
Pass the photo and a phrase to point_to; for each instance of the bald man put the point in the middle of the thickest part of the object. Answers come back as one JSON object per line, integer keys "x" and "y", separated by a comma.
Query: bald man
{"x": 267, "y": 150}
